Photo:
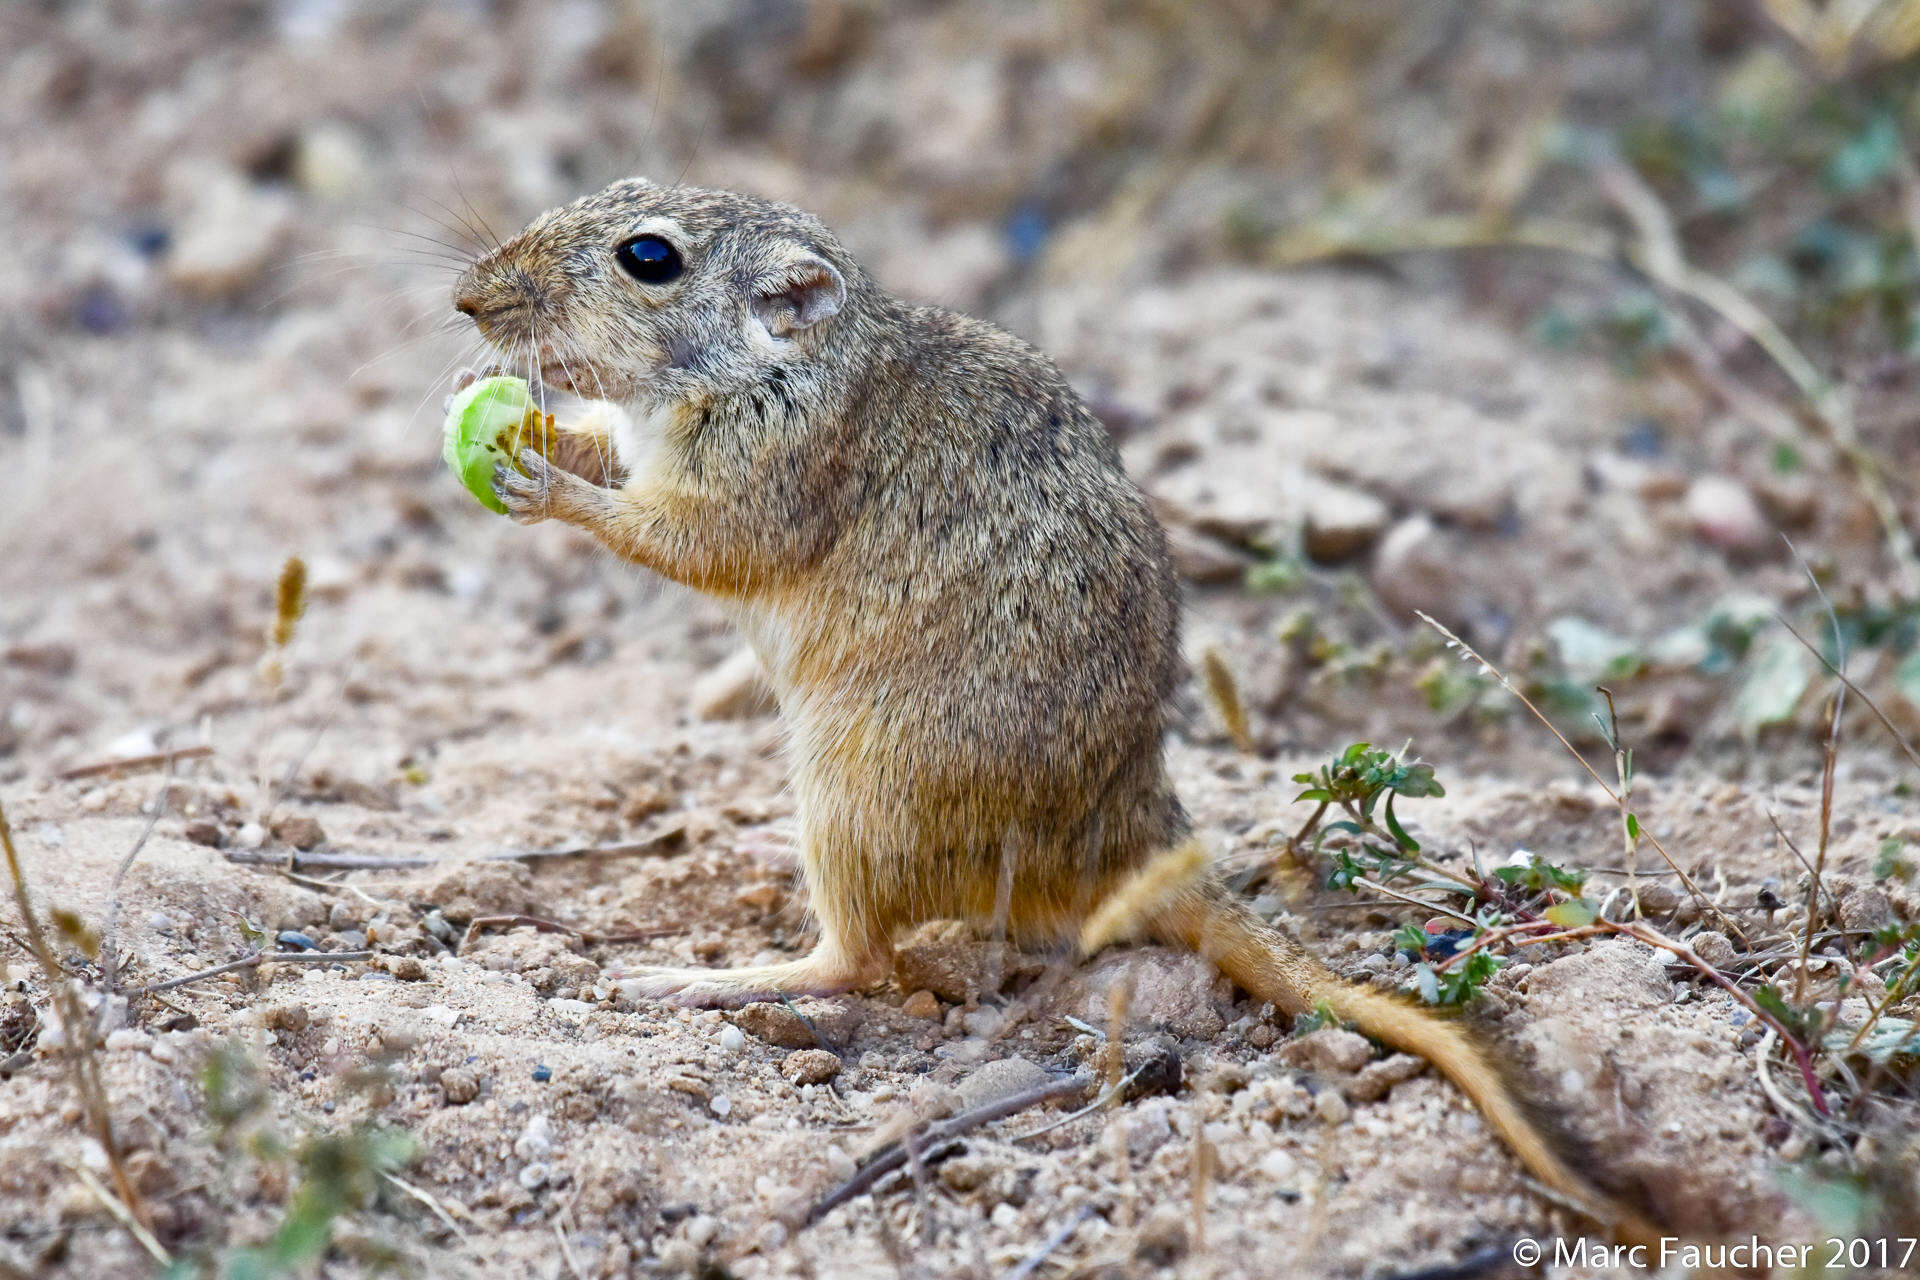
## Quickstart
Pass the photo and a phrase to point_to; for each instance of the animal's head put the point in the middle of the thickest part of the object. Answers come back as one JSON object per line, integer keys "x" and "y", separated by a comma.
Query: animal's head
{"x": 649, "y": 293}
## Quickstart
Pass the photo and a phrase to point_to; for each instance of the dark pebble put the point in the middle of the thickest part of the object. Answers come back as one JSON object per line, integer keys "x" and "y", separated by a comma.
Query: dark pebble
{"x": 299, "y": 941}
{"x": 542, "y": 1073}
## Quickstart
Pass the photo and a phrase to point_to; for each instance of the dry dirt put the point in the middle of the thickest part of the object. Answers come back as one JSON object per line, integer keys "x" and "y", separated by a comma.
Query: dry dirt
{"x": 211, "y": 371}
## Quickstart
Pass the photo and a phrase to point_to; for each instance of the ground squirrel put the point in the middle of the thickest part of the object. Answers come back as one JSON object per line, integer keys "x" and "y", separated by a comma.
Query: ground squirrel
{"x": 963, "y": 603}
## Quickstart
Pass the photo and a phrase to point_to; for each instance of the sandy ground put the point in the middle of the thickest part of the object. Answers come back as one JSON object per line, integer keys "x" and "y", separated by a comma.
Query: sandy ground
{"x": 215, "y": 364}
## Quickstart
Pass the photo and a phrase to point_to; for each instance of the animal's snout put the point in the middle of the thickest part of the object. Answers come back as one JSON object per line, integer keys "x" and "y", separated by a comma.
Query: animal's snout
{"x": 500, "y": 295}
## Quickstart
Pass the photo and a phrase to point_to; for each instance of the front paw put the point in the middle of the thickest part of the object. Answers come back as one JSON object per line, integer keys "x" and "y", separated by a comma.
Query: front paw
{"x": 536, "y": 490}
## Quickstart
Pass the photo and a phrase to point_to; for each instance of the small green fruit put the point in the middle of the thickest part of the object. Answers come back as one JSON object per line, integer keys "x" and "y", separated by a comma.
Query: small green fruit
{"x": 487, "y": 424}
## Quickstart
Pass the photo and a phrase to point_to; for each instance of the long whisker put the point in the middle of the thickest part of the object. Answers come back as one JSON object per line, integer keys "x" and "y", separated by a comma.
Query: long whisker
{"x": 601, "y": 450}
{"x": 459, "y": 252}
{"x": 560, "y": 337}
{"x": 653, "y": 112}
{"x": 463, "y": 355}
{"x": 699, "y": 138}
{"x": 461, "y": 191}
{"x": 459, "y": 226}
{"x": 421, "y": 288}
{"x": 440, "y": 329}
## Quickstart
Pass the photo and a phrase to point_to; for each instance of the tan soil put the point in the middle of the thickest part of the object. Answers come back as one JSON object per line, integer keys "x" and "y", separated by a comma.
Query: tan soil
{"x": 461, "y": 686}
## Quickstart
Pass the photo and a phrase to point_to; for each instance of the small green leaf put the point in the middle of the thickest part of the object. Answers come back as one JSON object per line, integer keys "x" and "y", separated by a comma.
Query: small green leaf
{"x": 1869, "y": 156}
{"x": 1777, "y": 674}
{"x": 1407, "y": 842}
{"x": 1411, "y": 939}
{"x": 1891, "y": 861}
{"x": 1589, "y": 653}
{"x": 1429, "y": 983}
{"x": 1575, "y": 913}
{"x": 1906, "y": 677}
{"x": 1633, "y": 826}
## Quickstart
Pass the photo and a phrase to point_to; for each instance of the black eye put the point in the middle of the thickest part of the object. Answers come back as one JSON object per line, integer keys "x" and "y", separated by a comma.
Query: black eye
{"x": 649, "y": 259}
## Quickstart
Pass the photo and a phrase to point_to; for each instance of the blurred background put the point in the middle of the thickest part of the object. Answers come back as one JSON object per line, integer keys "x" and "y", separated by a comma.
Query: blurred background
{"x": 1546, "y": 318}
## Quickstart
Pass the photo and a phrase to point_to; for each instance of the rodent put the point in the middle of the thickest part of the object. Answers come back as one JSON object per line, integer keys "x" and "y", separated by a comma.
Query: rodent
{"x": 962, "y": 601}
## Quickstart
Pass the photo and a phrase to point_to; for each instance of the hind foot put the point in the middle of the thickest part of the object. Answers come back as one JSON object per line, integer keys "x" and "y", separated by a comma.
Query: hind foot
{"x": 723, "y": 988}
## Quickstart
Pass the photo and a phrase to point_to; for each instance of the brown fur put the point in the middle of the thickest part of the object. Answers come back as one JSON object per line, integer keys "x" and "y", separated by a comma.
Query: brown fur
{"x": 962, "y": 601}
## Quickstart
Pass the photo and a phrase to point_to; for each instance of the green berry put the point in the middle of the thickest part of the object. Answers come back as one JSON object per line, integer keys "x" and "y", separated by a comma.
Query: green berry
{"x": 487, "y": 423}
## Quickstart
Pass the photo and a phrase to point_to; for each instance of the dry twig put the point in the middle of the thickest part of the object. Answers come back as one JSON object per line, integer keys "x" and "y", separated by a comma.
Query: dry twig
{"x": 79, "y": 1042}
{"x": 892, "y": 1156}
{"x": 253, "y": 961}
{"x": 127, "y": 764}
{"x": 663, "y": 842}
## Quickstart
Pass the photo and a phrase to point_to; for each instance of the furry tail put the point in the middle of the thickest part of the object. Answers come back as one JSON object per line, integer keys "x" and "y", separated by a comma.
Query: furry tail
{"x": 1268, "y": 964}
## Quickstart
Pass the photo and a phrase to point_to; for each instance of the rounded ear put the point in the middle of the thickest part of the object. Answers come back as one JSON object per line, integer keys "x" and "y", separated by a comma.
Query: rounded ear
{"x": 802, "y": 293}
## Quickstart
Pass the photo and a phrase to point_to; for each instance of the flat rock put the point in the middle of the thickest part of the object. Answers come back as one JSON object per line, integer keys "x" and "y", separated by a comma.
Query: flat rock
{"x": 778, "y": 1024}
{"x": 1329, "y": 1051}
{"x": 1203, "y": 559}
{"x": 1376, "y": 1079}
{"x": 1172, "y": 991}
{"x": 1341, "y": 522}
{"x": 467, "y": 890}
{"x": 1001, "y": 1078}
{"x": 1418, "y": 569}
{"x": 1680, "y": 1125}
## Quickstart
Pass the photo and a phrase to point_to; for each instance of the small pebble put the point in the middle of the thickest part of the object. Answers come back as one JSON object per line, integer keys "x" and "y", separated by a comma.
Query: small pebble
{"x": 701, "y": 1229}
{"x": 351, "y": 940}
{"x": 542, "y": 1074}
{"x": 300, "y": 831}
{"x": 1278, "y": 1165}
{"x": 981, "y": 1022}
{"x": 1723, "y": 512}
{"x": 285, "y": 1017}
{"x": 1713, "y": 947}
{"x": 251, "y": 835}
{"x": 732, "y": 1039}
{"x": 297, "y": 940}
{"x": 203, "y": 831}
{"x": 1330, "y": 1107}
{"x": 405, "y": 968}
{"x": 722, "y": 1106}
{"x": 1658, "y": 899}
{"x": 809, "y": 1066}
{"x": 159, "y": 921}
{"x": 535, "y": 1142}
{"x": 460, "y": 1085}
{"x": 534, "y": 1176}
{"x": 922, "y": 1004}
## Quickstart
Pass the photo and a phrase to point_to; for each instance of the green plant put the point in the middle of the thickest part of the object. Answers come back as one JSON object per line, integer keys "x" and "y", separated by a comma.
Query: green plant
{"x": 1458, "y": 984}
{"x": 336, "y": 1175}
{"x": 1361, "y": 781}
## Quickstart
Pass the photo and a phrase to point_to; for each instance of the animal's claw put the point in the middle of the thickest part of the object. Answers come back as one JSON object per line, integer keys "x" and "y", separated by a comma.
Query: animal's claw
{"x": 526, "y": 490}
